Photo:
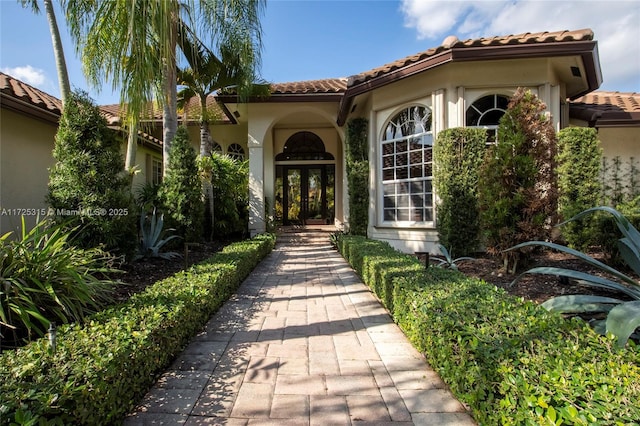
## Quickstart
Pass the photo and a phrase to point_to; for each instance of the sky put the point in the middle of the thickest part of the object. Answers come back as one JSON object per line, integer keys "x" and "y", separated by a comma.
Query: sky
{"x": 317, "y": 39}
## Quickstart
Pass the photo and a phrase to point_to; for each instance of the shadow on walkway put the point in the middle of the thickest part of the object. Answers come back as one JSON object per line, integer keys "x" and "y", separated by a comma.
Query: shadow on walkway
{"x": 302, "y": 342}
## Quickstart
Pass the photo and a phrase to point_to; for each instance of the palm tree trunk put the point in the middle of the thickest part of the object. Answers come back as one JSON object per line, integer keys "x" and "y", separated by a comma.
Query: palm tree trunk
{"x": 170, "y": 111}
{"x": 58, "y": 52}
{"x": 132, "y": 146}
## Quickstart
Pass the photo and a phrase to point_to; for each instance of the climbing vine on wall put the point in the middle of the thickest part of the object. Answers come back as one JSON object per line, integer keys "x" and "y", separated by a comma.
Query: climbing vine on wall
{"x": 358, "y": 175}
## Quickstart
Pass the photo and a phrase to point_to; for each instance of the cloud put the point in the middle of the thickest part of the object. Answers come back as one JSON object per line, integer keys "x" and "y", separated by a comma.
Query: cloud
{"x": 28, "y": 74}
{"x": 614, "y": 24}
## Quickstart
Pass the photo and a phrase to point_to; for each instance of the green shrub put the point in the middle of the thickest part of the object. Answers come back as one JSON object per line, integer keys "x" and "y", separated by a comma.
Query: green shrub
{"x": 88, "y": 187}
{"x": 511, "y": 361}
{"x": 518, "y": 186}
{"x": 181, "y": 190}
{"x": 579, "y": 186}
{"x": 230, "y": 180}
{"x": 44, "y": 278}
{"x": 458, "y": 155}
{"x": 100, "y": 370}
{"x": 358, "y": 175}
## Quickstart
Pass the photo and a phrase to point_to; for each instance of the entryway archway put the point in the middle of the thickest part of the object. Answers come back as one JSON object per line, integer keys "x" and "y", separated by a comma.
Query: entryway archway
{"x": 305, "y": 182}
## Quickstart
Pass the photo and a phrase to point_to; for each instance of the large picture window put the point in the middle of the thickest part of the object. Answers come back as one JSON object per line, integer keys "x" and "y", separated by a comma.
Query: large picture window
{"x": 486, "y": 113}
{"x": 407, "y": 163}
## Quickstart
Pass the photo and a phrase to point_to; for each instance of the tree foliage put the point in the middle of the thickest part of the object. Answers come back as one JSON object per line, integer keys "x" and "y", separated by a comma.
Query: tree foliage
{"x": 88, "y": 186}
{"x": 181, "y": 192}
{"x": 518, "y": 182}
{"x": 458, "y": 156}
{"x": 579, "y": 186}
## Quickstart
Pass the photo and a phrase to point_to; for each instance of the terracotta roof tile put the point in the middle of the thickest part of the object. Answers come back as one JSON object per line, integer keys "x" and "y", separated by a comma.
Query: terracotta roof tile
{"x": 452, "y": 42}
{"x": 14, "y": 88}
{"x": 326, "y": 86}
{"x": 603, "y": 109}
{"x": 154, "y": 112}
{"x": 610, "y": 101}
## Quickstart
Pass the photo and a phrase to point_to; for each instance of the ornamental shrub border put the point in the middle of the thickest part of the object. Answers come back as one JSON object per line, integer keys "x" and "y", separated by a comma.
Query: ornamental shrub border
{"x": 511, "y": 361}
{"x": 99, "y": 370}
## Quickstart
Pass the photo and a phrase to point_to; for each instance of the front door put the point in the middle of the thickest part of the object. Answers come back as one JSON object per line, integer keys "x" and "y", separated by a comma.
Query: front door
{"x": 305, "y": 194}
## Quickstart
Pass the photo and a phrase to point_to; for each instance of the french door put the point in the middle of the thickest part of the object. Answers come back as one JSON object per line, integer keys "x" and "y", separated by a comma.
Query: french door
{"x": 305, "y": 194}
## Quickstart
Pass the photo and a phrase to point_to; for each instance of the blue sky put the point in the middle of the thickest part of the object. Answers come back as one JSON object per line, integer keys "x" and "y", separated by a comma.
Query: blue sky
{"x": 315, "y": 39}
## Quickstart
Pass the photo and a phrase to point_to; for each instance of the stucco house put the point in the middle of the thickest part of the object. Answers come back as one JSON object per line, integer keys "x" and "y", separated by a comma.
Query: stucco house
{"x": 28, "y": 124}
{"x": 295, "y": 138}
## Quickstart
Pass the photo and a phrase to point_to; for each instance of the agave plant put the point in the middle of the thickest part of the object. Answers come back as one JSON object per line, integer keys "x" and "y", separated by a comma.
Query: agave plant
{"x": 152, "y": 242}
{"x": 623, "y": 317}
{"x": 447, "y": 261}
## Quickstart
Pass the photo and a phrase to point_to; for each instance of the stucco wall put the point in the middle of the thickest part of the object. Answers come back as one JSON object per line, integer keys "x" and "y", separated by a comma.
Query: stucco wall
{"x": 25, "y": 158}
{"x": 448, "y": 91}
{"x": 270, "y": 125}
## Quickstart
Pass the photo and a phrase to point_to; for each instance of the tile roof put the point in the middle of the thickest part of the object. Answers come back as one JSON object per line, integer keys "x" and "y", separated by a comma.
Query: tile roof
{"x": 607, "y": 109}
{"x": 452, "y": 42}
{"x": 329, "y": 85}
{"x": 25, "y": 98}
{"x": 154, "y": 111}
{"x": 525, "y": 45}
{"x": 20, "y": 95}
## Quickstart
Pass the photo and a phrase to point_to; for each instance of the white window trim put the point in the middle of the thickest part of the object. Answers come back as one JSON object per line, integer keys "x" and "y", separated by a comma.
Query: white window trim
{"x": 383, "y": 118}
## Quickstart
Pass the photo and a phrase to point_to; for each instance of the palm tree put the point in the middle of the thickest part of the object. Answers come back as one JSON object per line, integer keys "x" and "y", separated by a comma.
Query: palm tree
{"x": 58, "y": 51}
{"x": 134, "y": 45}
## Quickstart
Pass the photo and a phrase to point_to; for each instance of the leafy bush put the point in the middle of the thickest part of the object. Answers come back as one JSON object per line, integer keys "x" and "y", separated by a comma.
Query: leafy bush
{"x": 622, "y": 317}
{"x": 579, "y": 187}
{"x": 458, "y": 155}
{"x": 358, "y": 175}
{"x": 511, "y": 361}
{"x": 518, "y": 188}
{"x": 100, "y": 370}
{"x": 44, "y": 278}
{"x": 147, "y": 198}
{"x": 181, "y": 190}
{"x": 230, "y": 180}
{"x": 88, "y": 187}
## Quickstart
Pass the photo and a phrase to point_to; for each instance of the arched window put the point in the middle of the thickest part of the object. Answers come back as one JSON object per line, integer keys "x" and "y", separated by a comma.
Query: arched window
{"x": 304, "y": 146}
{"x": 235, "y": 151}
{"x": 406, "y": 148}
{"x": 215, "y": 147}
{"x": 486, "y": 113}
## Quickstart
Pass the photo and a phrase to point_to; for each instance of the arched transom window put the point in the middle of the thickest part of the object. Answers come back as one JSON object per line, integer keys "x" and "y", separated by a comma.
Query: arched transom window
{"x": 486, "y": 113}
{"x": 235, "y": 151}
{"x": 304, "y": 146}
{"x": 406, "y": 148}
{"x": 215, "y": 147}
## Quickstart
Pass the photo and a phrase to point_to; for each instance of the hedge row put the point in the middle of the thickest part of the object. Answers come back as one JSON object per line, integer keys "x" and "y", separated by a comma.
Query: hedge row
{"x": 100, "y": 369}
{"x": 510, "y": 360}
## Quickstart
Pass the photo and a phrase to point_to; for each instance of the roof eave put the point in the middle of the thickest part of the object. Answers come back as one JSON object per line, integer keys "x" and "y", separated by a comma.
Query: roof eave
{"x": 284, "y": 98}
{"x": 587, "y": 50}
{"x": 20, "y": 106}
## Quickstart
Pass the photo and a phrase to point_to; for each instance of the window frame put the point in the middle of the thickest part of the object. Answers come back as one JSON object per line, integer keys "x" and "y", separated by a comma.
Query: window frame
{"x": 233, "y": 153}
{"x": 492, "y": 138}
{"x": 156, "y": 170}
{"x": 410, "y": 183}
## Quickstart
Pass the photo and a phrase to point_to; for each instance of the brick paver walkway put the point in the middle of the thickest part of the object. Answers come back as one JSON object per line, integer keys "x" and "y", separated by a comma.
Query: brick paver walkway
{"x": 303, "y": 342}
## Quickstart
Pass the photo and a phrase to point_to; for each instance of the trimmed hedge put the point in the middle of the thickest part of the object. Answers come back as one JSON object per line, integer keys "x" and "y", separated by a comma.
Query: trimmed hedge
{"x": 510, "y": 360}
{"x": 101, "y": 369}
